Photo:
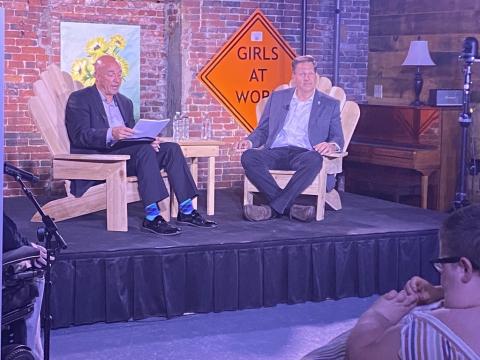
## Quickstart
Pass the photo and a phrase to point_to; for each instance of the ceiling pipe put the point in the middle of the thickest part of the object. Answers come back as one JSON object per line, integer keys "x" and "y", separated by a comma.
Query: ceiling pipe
{"x": 304, "y": 27}
{"x": 336, "y": 58}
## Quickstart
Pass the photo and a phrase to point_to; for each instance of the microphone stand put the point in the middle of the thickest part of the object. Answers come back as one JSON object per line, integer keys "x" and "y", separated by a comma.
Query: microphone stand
{"x": 53, "y": 243}
{"x": 465, "y": 119}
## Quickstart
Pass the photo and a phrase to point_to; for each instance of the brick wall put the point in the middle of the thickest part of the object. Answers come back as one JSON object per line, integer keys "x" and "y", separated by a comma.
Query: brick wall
{"x": 32, "y": 40}
{"x": 205, "y": 30}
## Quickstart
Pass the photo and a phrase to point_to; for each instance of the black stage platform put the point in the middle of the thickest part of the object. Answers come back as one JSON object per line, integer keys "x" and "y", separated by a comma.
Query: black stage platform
{"x": 369, "y": 247}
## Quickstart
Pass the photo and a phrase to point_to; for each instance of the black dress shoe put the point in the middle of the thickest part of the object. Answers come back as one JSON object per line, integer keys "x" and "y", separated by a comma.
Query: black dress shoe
{"x": 195, "y": 219}
{"x": 159, "y": 226}
{"x": 302, "y": 213}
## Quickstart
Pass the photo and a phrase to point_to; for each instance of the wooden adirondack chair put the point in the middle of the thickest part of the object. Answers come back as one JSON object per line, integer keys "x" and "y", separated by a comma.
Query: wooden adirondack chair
{"x": 47, "y": 108}
{"x": 332, "y": 164}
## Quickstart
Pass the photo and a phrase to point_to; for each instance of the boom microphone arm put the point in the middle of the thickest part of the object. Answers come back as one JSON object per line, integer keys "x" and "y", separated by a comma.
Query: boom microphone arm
{"x": 17, "y": 173}
{"x": 53, "y": 243}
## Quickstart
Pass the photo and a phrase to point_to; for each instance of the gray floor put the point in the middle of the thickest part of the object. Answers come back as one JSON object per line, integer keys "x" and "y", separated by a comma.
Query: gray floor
{"x": 281, "y": 332}
{"x": 360, "y": 215}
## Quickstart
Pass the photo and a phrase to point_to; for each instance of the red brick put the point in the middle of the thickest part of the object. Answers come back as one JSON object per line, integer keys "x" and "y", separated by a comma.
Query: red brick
{"x": 32, "y": 41}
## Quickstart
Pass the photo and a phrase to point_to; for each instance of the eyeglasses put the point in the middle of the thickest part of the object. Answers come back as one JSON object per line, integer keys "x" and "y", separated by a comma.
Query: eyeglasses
{"x": 438, "y": 263}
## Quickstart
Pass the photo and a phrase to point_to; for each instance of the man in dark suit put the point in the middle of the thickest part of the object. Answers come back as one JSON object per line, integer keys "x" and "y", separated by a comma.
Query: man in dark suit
{"x": 98, "y": 118}
{"x": 298, "y": 126}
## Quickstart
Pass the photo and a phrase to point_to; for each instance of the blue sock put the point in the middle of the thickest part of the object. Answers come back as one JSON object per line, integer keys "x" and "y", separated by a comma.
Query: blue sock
{"x": 186, "y": 207}
{"x": 151, "y": 211}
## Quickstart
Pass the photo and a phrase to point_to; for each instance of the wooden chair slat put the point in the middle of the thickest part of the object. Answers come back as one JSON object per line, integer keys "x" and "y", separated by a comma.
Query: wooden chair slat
{"x": 324, "y": 84}
{"x": 349, "y": 116}
{"x": 54, "y": 136}
{"x": 339, "y": 94}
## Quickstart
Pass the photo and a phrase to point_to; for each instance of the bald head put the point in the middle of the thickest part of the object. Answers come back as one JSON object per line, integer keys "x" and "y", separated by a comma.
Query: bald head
{"x": 108, "y": 76}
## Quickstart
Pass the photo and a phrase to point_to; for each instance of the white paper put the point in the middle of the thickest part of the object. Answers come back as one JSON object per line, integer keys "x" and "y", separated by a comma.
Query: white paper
{"x": 149, "y": 128}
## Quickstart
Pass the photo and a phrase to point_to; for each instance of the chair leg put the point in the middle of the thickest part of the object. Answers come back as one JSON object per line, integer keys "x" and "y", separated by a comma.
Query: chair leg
{"x": 332, "y": 198}
{"x": 194, "y": 172}
{"x": 95, "y": 199}
{"x": 173, "y": 204}
{"x": 211, "y": 186}
{"x": 117, "y": 219}
{"x": 164, "y": 205}
{"x": 322, "y": 186}
{"x": 247, "y": 195}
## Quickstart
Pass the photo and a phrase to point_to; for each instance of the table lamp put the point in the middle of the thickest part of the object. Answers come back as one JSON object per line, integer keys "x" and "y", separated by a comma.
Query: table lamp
{"x": 418, "y": 55}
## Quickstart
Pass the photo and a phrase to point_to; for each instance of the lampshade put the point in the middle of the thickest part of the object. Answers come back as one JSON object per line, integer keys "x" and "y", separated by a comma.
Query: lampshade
{"x": 418, "y": 54}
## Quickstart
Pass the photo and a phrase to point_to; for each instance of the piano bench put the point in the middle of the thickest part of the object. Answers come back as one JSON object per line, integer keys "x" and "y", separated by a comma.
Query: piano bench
{"x": 398, "y": 192}
{"x": 420, "y": 159}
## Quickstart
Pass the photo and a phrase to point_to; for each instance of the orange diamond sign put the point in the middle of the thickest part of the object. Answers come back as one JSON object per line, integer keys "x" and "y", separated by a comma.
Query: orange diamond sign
{"x": 255, "y": 60}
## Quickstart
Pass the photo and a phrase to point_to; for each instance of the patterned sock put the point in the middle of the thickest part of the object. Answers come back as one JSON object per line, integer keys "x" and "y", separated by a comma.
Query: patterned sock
{"x": 151, "y": 212}
{"x": 186, "y": 207}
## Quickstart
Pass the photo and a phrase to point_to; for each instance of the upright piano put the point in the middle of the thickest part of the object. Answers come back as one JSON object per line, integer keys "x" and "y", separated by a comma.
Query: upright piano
{"x": 404, "y": 147}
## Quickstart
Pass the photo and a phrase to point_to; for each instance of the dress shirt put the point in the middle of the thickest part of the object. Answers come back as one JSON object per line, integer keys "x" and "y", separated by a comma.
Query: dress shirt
{"x": 295, "y": 129}
{"x": 114, "y": 116}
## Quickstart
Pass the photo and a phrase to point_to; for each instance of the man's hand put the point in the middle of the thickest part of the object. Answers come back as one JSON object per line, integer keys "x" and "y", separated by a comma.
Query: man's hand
{"x": 121, "y": 132}
{"x": 156, "y": 144}
{"x": 394, "y": 305}
{"x": 425, "y": 292}
{"x": 243, "y": 145}
{"x": 325, "y": 148}
{"x": 42, "y": 260}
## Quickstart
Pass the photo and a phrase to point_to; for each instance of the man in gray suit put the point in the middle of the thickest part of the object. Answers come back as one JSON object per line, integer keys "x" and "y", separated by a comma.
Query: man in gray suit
{"x": 297, "y": 127}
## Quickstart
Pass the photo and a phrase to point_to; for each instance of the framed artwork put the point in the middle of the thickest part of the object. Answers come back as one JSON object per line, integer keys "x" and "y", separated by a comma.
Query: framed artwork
{"x": 83, "y": 43}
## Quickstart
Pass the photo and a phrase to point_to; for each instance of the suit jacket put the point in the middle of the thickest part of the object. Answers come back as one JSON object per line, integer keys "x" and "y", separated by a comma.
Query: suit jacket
{"x": 324, "y": 123}
{"x": 87, "y": 126}
{"x": 87, "y": 122}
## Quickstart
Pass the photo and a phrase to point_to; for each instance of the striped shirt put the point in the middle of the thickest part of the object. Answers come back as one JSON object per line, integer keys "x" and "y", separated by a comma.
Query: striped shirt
{"x": 425, "y": 337}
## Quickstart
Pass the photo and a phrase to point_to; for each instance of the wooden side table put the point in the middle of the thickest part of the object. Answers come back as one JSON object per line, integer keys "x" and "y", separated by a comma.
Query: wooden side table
{"x": 192, "y": 150}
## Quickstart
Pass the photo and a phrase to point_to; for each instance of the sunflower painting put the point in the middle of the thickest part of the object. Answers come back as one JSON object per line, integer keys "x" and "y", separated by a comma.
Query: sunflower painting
{"x": 83, "y": 70}
{"x": 82, "y": 44}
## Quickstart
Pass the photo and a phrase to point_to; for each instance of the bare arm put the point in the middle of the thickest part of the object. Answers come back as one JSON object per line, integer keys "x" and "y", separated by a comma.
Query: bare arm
{"x": 377, "y": 333}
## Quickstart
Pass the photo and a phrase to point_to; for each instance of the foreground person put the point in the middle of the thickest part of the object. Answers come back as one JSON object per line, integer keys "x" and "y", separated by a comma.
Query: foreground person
{"x": 12, "y": 239}
{"x": 449, "y": 329}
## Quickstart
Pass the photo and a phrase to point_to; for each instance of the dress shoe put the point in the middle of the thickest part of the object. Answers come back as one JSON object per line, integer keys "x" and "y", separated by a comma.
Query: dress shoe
{"x": 195, "y": 219}
{"x": 302, "y": 213}
{"x": 159, "y": 226}
{"x": 258, "y": 212}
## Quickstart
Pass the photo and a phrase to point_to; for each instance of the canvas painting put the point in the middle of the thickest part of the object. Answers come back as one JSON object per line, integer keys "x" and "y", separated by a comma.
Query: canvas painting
{"x": 83, "y": 43}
